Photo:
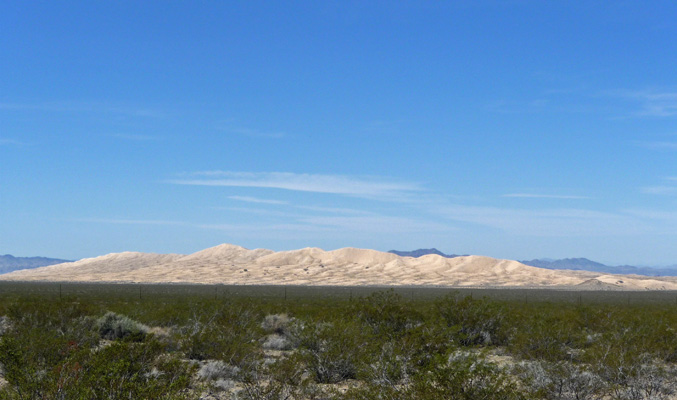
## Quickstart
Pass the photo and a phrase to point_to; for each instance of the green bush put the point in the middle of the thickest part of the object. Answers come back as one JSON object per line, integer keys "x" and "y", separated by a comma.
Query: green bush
{"x": 386, "y": 313}
{"x": 113, "y": 326}
{"x": 478, "y": 322}
{"x": 464, "y": 376}
{"x": 223, "y": 333}
{"x": 333, "y": 352}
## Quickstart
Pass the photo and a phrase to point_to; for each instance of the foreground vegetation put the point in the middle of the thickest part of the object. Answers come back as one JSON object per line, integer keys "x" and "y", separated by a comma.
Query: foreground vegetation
{"x": 381, "y": 346}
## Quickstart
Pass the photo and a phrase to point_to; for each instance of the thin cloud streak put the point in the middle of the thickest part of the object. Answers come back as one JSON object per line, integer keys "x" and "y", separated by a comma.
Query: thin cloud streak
{"x": 124, "y": 221}
{"x": 660, "y": 190}
{"x": 333, "y": 210}
{"x": 248, "y": 199}
{"x": 133, "y": 137}
{"x": 12, "y": 142}
{"x": 317, "y": 183}
{"x": 75, "y": 107}
{"x": 263, "y": 228}
{"x": 545, "y": 196}
{"x": 377, "y": 224}
{"x": 652, "y": 103}
{"x": 547, "y": 222}
{"x": 255, "y": 133}
{"x": 659, "y": 145}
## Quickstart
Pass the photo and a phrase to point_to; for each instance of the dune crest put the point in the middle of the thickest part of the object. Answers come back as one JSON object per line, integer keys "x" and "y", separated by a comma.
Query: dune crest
{"x": 231, "y": 264}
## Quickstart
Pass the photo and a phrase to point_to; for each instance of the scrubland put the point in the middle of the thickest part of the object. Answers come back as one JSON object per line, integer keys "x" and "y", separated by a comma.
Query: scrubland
{"x": 381, "y": 346}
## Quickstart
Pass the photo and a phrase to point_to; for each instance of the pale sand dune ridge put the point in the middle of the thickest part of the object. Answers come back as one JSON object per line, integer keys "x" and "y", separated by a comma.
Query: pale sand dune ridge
{"x": 230, "y": 264}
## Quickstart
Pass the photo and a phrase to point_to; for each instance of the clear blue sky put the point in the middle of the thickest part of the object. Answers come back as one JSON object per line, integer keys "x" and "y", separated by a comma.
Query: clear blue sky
{"x": 514, "y": 129}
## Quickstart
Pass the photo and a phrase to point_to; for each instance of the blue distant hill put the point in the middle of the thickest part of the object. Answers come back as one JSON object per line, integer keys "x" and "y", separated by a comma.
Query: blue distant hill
{"x": 9, "y": 263}
{"x": 583, "y": 264}
{"x": 422, "y": 252}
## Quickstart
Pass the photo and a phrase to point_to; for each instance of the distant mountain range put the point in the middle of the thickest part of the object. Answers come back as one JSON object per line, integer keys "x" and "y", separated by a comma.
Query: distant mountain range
{"x": 422, "y": 252}
{"x": 583, "y": 264}
{"x": 9, "y": 263}
{"x": 576, "y": 264}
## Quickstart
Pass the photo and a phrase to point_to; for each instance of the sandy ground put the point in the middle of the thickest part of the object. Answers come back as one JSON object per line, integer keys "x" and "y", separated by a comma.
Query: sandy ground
{"x": 230, "y": 264}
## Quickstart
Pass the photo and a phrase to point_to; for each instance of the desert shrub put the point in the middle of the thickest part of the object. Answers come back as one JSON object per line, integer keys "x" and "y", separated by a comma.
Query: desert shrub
{"x": 27, "y": 357}
{"x": 5, "y": 325}
{"x": 560, "y": 380}
{"x": 464, "y": 376}
{"x": 285, "y": 378}
{"x": 277, "y": 342}
{"x": 389, "y": 367}
{"x": 385, "y": 313}
{"x": 114, "y": 326}
{"x": 213, "y": 370}
{"x": 552, "y": 336}
{"x": 647, "y": 380}
{"x": 424, "y": 343}
{"x": 218, "y": 374}
{"x": 376, "y": 392}
{"x": 636, "y": 377}
{"x": 280, "y": 337}
{"x": 48, "y": 364}
{"x": 478, "y": 322}
{"x": 333, "y": 352}
{"x": 227, "y": 333}
{"x": 276, "y": 323}
{"x": 126, "y": 370}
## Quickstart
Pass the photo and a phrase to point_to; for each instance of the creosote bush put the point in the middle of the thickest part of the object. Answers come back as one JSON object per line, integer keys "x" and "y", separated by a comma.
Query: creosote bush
{"x": 276, "y": 323}
{"x": 333, "y": 352}
{"x": 113, "y": 326}
{"x": 478, "y": 322}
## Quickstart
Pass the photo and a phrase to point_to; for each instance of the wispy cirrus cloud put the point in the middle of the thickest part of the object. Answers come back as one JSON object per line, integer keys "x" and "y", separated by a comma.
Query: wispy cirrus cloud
{"x": 129, "y": 221}
{"x": 376, "y": 224}
{"x": 665, "y": 189}
{"x": 318, "y": 183}
{"x": 659, "y": 145}
{"x": 83, "y": 107}
{"x": 518, "y": 107}
{"x": 12, "y": 142}
{"x": 257, "y": 133}
{"x": 662, "y": 216}
{"x": 546, "y": 222}
{"x": 545, "y": 196}
{"x": 248, "y": 199}
{"x": 320, "y": 209}
{"x": 660, "y": 190}
{"x": 134, "y": 137}
{"x": 651, "y": 103}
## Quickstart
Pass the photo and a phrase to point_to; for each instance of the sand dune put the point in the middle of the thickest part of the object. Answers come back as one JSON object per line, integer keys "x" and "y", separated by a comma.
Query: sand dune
{"x": 230, "y": 264}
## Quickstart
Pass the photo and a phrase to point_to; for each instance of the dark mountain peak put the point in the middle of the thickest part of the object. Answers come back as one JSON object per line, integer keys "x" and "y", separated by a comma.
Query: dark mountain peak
{"x": 585, "y": 264}
{"x": 9, "y": 263}
{"x": 421, "y": 252}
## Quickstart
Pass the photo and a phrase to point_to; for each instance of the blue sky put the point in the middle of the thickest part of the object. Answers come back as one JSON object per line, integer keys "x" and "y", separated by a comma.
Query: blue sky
{"x": 514, "y": 129}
